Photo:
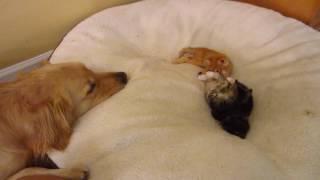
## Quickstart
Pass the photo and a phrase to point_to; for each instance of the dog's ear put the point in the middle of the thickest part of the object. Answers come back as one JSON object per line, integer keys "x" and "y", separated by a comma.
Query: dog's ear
{"x": 51, "y": 114}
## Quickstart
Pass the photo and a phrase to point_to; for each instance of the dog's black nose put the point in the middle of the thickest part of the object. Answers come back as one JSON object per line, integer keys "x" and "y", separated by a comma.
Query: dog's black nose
{"x": 122, "y": 77}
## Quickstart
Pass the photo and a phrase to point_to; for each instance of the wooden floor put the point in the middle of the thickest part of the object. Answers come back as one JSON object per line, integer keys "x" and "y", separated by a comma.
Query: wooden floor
{"x": 307, "y": 11}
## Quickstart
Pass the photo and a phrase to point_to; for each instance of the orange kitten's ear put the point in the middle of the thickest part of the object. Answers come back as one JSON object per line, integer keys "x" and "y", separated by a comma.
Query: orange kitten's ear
{"x": 223, "y": 61}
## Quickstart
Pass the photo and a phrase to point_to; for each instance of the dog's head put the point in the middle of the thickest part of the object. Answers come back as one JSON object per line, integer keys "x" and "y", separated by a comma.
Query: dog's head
{"x": 44, "y": 104}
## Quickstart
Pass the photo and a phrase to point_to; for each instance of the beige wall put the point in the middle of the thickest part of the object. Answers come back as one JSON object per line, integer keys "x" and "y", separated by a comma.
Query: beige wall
{"x": 31, "y": 27}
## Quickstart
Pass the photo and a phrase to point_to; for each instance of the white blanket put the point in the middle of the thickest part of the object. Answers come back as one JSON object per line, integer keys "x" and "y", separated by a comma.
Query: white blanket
{"x": 159, "y": 127}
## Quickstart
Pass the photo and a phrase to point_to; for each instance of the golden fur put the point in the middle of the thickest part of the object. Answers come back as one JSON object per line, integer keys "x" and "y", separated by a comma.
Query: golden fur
{"x": 39, "y": 109}
{"x": 207, "y": 59}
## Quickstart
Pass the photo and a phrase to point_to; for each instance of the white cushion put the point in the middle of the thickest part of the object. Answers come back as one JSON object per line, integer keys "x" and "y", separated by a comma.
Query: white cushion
{"x": 160, "y": 127}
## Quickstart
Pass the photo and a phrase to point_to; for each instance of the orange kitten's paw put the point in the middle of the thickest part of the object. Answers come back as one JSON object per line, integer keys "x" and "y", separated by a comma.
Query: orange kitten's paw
{"x": 186, "y": 55}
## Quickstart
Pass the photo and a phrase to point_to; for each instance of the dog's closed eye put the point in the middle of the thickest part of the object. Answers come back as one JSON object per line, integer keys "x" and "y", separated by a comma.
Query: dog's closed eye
{"x": 92, "y": 87}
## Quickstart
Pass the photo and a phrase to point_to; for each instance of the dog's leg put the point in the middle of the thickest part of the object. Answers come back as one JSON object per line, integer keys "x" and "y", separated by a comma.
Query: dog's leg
{"x": 72, "y": 174}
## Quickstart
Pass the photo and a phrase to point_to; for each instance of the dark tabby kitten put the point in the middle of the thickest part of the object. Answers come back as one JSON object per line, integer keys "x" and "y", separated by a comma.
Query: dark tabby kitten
{"x": 231, "y": 102}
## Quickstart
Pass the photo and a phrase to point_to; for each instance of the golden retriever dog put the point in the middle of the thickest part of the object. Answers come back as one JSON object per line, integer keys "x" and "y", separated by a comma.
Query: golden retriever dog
{"x": 207, "y": 59}
{"x": 39, "y": 109}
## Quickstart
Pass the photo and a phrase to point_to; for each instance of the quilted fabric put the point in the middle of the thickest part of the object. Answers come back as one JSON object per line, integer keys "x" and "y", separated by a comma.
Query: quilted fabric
{"x": 160, "y": 127}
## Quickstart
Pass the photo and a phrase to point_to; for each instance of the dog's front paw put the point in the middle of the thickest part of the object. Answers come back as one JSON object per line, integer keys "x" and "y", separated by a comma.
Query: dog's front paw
{"x": 78, "y": 174}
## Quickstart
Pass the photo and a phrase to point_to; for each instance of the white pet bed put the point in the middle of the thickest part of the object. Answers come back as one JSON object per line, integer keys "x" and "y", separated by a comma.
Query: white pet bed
{"x": 159, "y": 127}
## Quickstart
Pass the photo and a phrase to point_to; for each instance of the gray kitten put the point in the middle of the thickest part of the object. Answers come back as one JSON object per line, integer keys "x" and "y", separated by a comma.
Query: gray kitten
{"x": 230, "y": 101}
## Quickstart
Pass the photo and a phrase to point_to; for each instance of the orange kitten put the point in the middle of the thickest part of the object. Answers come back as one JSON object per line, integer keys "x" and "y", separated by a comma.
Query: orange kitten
{"x": 207, "y": 59}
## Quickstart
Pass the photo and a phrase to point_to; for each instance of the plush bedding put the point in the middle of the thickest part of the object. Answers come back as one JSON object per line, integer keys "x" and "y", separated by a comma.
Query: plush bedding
{"x": 160, "y": 127}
